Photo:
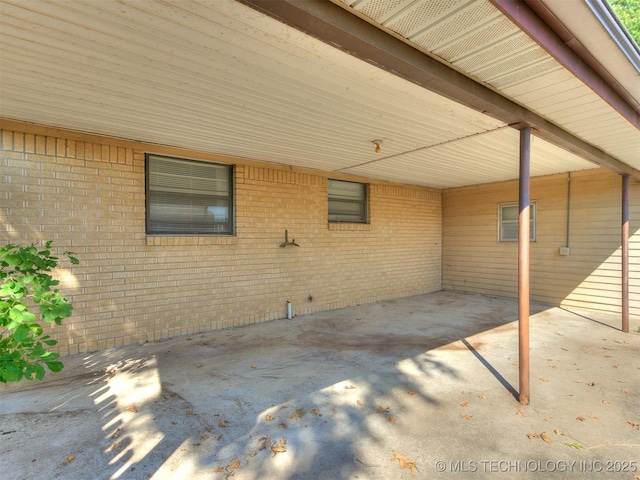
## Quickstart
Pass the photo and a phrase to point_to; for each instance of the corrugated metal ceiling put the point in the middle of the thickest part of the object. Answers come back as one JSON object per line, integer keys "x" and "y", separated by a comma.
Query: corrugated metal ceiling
{"x": 220, "y": 77}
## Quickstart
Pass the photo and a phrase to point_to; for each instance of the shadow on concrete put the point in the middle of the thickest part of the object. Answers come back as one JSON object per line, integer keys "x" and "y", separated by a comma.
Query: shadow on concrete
{"x": 332, "y": 389}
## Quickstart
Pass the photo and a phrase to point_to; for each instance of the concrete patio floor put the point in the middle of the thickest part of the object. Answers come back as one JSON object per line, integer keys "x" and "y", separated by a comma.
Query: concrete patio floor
{"x": 420, "y": 386}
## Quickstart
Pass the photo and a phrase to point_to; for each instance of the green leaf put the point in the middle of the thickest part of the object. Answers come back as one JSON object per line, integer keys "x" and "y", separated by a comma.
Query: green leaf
{"x": 10, "y": 374}
{"x": 19, "y": 315}
{"x": 55, "y": 366}
{"x": 20, "y": 333}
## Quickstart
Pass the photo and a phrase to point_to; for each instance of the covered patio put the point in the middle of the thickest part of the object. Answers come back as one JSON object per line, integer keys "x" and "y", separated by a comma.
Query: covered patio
{"x": 425, "y": 385}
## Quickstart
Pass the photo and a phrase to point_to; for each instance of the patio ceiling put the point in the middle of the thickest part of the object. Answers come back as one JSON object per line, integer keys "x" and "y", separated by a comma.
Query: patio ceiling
{"x": 221, "y": 77}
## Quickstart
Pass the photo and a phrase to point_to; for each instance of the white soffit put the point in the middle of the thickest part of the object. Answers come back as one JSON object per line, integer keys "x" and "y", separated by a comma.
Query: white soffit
{"x": 217, "y": 76}
{"x": 477, "y": 39}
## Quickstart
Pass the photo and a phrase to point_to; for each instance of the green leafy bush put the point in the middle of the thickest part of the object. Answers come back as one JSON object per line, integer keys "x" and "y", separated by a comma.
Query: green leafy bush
{"x": 26, "y": 282}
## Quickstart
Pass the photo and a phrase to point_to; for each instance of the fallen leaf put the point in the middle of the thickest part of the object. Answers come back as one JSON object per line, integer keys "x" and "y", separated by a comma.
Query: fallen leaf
{"x": 235, "y": 463}
{"x": 464, "y": 404}
{"x": 383, "y": 409}
{"x": 411, "y": 393}
{"x": 392, "y": 420}
{"x": 466, "y": 417}
{"x": 219, "y": 470}
{"x": 592, "y": 384}
{"x": 116, "y": 434}
{"x": 297, "y": 414}
{"x": 577, "y": 446}
{"x": 278, "y": 447}
{"x": 190, "y": 413}
{"x": 253, "y": 454}
{"x": 634, "y": 424}
{"x": 520, "y": 412}
{"x": 315, "y": 411}
{"x": 615, "y": 365}
{"x": 546, "y": 437}
{"x": 359, "y": 402}
{"x": 223, "y": 423}
{"x": 404, "y": 463}
{"x": 349, "y": 387}
{"x": 283, "y": 425}
{"x": 268, "y": 417}
{"x": 204, "y": 436}
{"x": 133, "y": 409}
{"x": 607, "y": 402}
{"x": 595, "y": 417}
{"x": 114, "y": 446}
{"x": 544, "y": 379}
{"x": 69, "y": 459}
{"x": 532, "y": 435}
{"x": 625, "y": 391}
{"x": 580, "y": 419}
{"x": 482, "y": 397}
{"x": 253, "y": 365}
{"x": 559, "y": 432}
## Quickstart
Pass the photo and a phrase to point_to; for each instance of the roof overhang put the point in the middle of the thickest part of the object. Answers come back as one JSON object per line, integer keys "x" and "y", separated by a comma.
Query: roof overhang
{"x": 312, "y": 84}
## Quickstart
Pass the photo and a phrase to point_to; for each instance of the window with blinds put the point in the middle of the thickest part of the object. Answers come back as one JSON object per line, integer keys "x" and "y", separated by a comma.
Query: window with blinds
{"x": 187, "y": 197}
{"x": 347, "y": 202}
{"x": 509, "y": 213}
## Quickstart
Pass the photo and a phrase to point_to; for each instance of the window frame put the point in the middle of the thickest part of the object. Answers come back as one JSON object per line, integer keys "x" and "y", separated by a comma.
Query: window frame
{"x": 363, "y": 202}
{"x": 533, "y": 230}
{"x": 151, "y": 227}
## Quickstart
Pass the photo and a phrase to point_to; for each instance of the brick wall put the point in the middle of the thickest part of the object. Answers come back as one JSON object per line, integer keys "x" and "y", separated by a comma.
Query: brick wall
{"x": 87, "y": 195}
{"x": 589, "y": 277}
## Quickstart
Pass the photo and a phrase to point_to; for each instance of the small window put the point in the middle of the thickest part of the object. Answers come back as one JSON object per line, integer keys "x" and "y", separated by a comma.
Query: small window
{"x": 187, "y": 197}
{"x": 509, "y": 222}
{"x": 347, "y": 202}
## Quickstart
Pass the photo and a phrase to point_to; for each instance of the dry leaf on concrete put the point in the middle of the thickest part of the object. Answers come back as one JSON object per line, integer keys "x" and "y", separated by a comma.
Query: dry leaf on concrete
{"x": 546, "y": 437}
{"x": 580, "y": 419}
{"x": 557, "y": 431}
{"x": 383, "y": 409}
{"x": 278, "y": 447}
{"x": 349, "y": 387}
{"x": 464, "y": 404}
{"x": 634, "y": 424}
{"x": 69, "y": 459}
{"x": 411, "y": 393}
{"x": 404, "y": 463}
{"x": 466, "y": 417}
{"x": 297, "y": 414}
{"x": 532, "y": 435}
{"x": 223, "y": 423}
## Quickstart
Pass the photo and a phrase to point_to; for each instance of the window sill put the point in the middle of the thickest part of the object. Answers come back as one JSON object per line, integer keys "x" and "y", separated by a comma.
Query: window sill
{"x": 349, "y": 227}
{"x": 190, "y": 240}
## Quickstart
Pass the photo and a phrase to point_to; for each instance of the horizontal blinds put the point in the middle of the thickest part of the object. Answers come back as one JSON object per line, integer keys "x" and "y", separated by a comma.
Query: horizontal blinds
{"x": 188, "y": 197}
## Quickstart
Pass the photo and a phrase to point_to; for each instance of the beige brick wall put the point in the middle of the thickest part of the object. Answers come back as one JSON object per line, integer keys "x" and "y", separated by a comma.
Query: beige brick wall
{"x": 87, "y": 195}
{"x": 590, "y": 277}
